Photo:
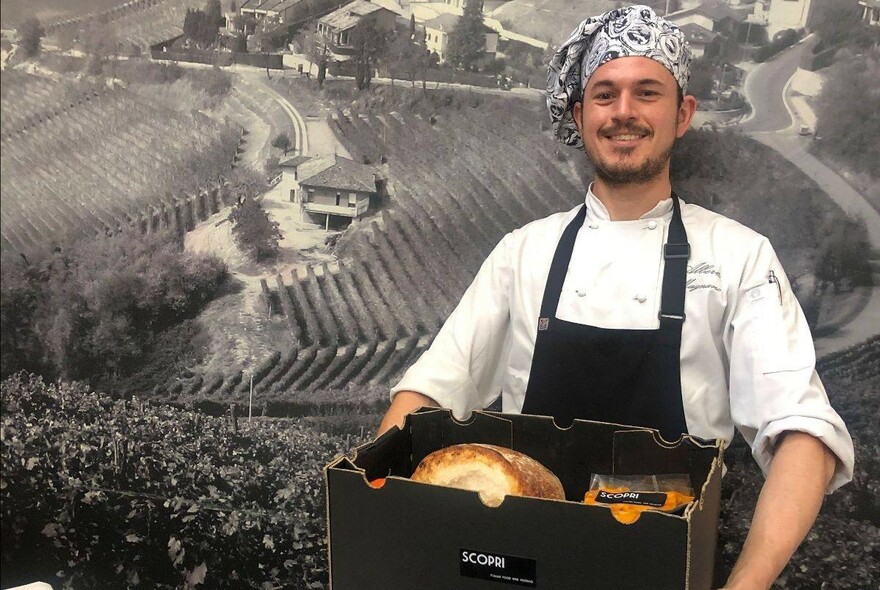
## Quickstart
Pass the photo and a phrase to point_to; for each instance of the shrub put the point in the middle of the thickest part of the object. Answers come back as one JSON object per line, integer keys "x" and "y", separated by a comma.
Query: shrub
{"x": 120, "y": 493}
{"x": 496, "y": 66}
{"x": 30, "y": 35}
{"x": 847, "y": 118}
{"x": 146, "y": 72}
{"x": 702, "y": 78}
{"x": 215, "y": 82}
{"x": 255, "y": 232}
{"x": 95, "y": 309}
{"x": 281, "y": 142}
{"x": 782, "y": 40}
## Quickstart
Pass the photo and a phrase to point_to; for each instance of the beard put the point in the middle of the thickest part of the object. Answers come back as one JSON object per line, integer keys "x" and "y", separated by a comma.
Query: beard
{"x": 625, "y": 173}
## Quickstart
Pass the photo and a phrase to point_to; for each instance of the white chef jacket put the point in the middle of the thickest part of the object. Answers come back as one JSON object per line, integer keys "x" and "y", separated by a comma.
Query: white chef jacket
{"x": 747, "y": 356}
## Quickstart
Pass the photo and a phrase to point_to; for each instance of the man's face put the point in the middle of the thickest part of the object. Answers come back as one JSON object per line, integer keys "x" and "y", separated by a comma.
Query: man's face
{"x": 630, "y": 118}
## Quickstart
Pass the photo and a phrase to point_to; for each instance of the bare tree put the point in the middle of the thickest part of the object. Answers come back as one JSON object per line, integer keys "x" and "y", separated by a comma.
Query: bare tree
{"x": 317, "y": 49}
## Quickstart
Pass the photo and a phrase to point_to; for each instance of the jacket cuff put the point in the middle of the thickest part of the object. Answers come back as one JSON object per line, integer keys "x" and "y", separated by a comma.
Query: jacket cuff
{"x": 837, "y": 439}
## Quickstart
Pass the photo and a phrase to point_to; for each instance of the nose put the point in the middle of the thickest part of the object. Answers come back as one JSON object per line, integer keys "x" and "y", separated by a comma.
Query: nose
{"x": 624, "y": 107}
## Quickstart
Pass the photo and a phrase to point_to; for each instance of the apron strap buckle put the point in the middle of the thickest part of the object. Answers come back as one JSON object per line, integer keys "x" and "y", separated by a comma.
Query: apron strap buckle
{"x": 671, "y": 316}
{"x": 676, "y": 251}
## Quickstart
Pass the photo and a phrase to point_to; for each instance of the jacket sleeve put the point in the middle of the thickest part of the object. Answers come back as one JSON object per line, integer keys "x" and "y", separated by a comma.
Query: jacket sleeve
{"x": 461, "y": 368}
{"x": 774, "y": 387}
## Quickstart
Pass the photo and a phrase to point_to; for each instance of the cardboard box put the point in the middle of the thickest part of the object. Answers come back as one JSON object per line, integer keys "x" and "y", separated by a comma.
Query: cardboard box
{"x": 408, "y": 535}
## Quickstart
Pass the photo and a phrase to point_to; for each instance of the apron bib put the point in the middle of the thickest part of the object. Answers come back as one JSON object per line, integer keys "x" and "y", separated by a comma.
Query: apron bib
{"x": 621, "y": 376}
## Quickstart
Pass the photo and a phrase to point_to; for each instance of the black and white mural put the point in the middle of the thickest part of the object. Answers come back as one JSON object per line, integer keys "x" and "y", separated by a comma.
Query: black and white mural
{"x": 229, "y": 227}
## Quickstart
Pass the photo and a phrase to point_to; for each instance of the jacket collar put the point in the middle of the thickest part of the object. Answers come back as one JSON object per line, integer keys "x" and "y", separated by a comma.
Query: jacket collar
{"x": 597, "y": 211}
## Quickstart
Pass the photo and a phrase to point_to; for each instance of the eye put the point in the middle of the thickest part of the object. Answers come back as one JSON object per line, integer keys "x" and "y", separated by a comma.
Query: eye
{"x": 604, "y": 96}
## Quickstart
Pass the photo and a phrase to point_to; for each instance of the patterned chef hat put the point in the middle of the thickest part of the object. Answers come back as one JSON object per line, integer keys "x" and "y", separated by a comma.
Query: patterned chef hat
{"x": 622, "y": 32}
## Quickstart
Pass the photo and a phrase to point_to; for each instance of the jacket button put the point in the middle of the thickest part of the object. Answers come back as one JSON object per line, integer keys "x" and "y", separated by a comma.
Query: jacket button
{"x": 594, "y": 226}
{"x": 640, "y": 298}
{"x": 580, "y": 292}
{"x": 652, "y": 225}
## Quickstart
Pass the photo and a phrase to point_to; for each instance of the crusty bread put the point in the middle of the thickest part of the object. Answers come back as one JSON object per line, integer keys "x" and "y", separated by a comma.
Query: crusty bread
{"x": 492, "y": 471}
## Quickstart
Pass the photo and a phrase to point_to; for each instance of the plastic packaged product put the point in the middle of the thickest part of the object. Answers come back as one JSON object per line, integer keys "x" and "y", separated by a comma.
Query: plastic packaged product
{"x": 628, "y": 496}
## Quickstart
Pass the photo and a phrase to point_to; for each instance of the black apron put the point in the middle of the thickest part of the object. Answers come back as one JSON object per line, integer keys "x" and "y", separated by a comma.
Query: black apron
{"x": 621, "y": 376}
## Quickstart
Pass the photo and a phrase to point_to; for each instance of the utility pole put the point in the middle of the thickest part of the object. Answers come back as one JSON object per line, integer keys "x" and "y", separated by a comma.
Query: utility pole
{"x": 251, "y": 401}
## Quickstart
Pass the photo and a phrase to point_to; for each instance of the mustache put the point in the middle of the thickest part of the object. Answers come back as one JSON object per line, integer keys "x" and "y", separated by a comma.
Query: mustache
{"x": 620, "y": 129}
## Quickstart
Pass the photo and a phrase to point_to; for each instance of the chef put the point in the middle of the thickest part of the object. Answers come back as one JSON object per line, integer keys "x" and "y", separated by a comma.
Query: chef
{"x": 636, "y": 307}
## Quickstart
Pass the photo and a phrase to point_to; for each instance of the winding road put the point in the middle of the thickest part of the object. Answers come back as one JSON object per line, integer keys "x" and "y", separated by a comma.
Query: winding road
{"x": 252, "y": 80}
{"x": 765, "y": 88}
{"x": 774, "y": 124}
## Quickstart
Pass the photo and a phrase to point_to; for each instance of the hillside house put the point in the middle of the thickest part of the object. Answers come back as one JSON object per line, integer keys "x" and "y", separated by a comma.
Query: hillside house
{"x": 271, "y": 11}
{"x": 254, "y": 15}
{"x": 437, "y": 32}
{"x": 328, "y": 188}
{"x": 338, "y": 26}
{"x": 700, "y": 39}
{"x": 871, "y": 12}
{"x": 731, "y": 21}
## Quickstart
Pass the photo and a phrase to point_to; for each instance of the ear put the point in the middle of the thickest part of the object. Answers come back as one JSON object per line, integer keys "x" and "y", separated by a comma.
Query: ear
{"x": 685, "y": 115}
{"x": 576, "y": 114}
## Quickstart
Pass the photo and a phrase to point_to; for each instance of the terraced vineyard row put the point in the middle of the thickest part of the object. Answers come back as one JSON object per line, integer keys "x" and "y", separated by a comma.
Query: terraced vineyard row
{"x": 95, "y": 165}
{"x": 860, "y": 361}
{"x": 351, "y": 303}
{"x": 28, "y": 100}
{"x": 294, "y": 376}
{"x": 453, "y": 195}
{"x": 139, "y": 22}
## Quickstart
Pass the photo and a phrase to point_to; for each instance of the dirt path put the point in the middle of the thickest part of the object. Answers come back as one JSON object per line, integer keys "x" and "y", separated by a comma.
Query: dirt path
{"x": 240, "y": 332}
{"x": 322, "y": 141}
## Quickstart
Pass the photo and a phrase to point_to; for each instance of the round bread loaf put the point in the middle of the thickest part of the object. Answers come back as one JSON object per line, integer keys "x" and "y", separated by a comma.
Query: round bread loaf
{"x": 492, "y": 471}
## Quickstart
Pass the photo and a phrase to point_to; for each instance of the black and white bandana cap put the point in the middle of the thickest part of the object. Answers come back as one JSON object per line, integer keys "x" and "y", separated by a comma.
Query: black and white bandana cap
{"x": 623, "y": 32}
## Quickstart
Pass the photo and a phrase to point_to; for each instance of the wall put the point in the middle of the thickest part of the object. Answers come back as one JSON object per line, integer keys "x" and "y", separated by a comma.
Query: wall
{"x": 491, "y": 43}
{"x": 787, "y": 14}
{"x": 162, "y": 52}
{"x": 437, "y": 41}
{"x": 288, "y": 184}
{"x": 325, "y": 196}
{"x": 385, "y": 19}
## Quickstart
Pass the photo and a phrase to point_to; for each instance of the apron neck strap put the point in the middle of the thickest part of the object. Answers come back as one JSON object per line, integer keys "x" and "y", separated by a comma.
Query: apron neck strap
{"x": 676, "y": 252}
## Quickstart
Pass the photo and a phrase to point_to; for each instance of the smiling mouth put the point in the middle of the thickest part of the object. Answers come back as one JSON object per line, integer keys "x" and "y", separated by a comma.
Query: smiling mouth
{"x": 625, "y": 136}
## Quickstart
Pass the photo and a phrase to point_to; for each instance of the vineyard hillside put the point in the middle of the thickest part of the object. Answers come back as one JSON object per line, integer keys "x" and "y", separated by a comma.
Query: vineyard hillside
{"x": 362, "y": 320}
{"x": 15, "y": 11}
{"x": 127, "y": 27}
{"x": 81, "y": 157}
